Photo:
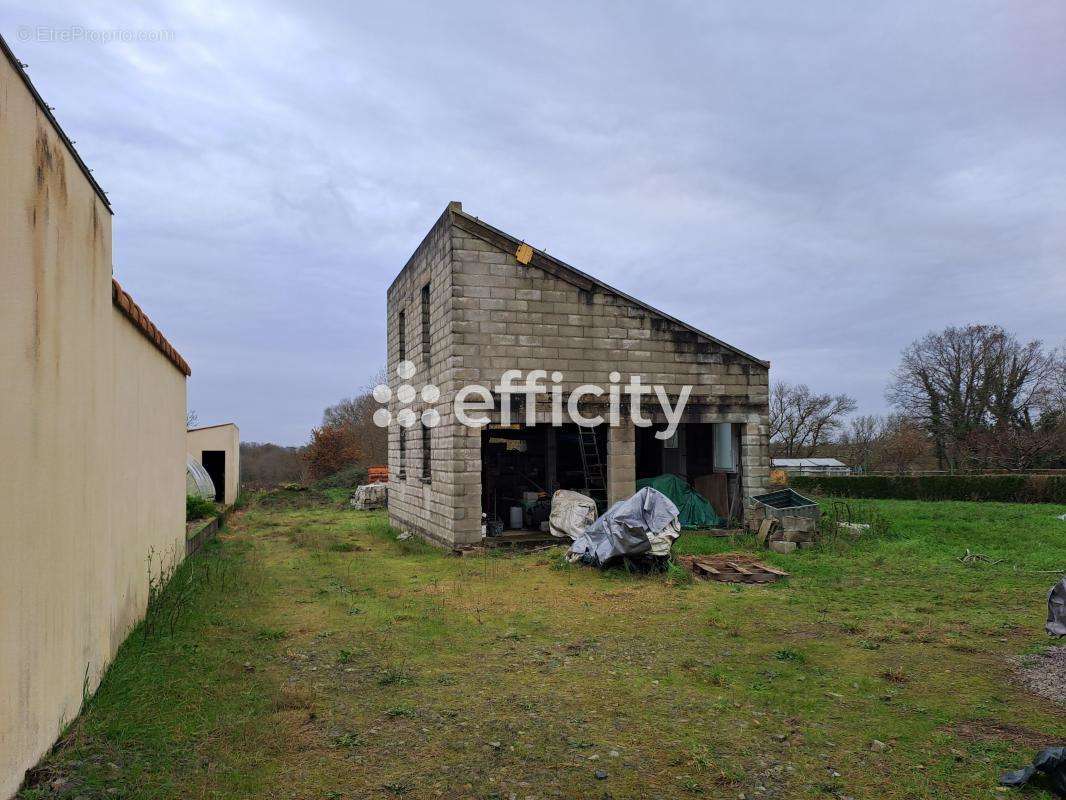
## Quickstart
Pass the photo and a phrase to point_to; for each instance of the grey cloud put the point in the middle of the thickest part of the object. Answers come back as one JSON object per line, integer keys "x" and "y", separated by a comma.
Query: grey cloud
{"x": 817, "y": 184}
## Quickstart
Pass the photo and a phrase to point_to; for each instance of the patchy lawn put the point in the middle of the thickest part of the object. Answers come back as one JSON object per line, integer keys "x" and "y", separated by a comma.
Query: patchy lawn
{"x": 317, "y": 657}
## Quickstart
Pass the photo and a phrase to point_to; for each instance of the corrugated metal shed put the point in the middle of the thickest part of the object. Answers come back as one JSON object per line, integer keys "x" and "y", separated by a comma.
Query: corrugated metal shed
{"x": 808, "y": 462}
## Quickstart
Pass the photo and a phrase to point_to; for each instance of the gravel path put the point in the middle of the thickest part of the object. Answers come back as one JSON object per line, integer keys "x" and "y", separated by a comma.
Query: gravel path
{"x": 1044, "y": 673}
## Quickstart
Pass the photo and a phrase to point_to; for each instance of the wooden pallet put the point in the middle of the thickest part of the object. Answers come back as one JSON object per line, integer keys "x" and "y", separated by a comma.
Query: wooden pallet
{"x": 732, "y": 568}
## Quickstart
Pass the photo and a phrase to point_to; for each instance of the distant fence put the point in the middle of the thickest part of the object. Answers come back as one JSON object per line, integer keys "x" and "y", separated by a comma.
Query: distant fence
{"x": 995, "y": 488}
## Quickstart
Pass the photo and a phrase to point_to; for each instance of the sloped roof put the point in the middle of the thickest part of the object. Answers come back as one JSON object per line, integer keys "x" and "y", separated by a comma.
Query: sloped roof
{"x": 560, "y": 269}
{"x": 131, "y": 311}
{"x": 209, "y": 427}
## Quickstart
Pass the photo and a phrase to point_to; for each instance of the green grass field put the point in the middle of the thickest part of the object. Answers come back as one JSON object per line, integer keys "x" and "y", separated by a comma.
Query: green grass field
{"x": 317, "y": 657}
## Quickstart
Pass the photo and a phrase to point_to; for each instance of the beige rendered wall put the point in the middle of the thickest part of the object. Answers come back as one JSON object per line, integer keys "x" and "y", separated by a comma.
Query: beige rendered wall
{"x": 224, "y": 437}
{"x": 147, "y": 489}
{"x": 85, "y": 490}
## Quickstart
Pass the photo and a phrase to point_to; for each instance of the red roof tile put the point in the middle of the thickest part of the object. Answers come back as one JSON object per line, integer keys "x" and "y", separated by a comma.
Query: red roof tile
{"x": 131, "y": 311}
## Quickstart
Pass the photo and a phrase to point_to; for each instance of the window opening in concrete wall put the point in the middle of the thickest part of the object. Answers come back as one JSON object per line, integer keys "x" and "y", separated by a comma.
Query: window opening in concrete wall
{"x": 427, "y": 453}
{"x": 425, "y": 324}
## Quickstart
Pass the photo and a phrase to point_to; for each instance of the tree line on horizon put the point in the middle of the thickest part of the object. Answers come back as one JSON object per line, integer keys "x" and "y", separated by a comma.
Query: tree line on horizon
{"x": 965, "y": 398}
{"x": 345, "y": 444}
{"x": 970, "y": 397}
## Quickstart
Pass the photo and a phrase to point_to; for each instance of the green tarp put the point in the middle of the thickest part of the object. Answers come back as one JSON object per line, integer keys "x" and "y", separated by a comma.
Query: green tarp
{"x": 694, "y": 510}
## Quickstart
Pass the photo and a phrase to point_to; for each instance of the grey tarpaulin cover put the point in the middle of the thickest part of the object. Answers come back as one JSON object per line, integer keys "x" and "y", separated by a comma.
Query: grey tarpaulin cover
{"x": 1056, "y": 609}
{"x": 571, "y": 514}
{"x": 1051, "y": 762}
{"x": 643, "y": 525}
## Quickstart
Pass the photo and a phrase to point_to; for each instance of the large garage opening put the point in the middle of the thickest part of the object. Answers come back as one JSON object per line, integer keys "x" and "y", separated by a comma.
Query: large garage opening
{"x": 214, "y": 462}
{"x": 523, "y": 465}
{"x": 706, "y": 454}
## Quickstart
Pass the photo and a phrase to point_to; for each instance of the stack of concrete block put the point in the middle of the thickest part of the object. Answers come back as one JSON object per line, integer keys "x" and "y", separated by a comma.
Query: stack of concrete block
{"x": 792, "y": 532}
{"x": 370, "y": 496}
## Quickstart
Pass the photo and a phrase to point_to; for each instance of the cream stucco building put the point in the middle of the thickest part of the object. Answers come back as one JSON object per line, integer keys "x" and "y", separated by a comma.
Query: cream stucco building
{"x": 218, "y": 449}
{"x": 92, "y": 434}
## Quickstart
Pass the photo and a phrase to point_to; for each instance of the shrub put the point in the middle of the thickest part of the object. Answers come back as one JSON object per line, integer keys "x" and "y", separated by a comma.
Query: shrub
{"x": 348, "y": 478}
{"x": 994, "y": 488}
{"x": 197, "y": 507}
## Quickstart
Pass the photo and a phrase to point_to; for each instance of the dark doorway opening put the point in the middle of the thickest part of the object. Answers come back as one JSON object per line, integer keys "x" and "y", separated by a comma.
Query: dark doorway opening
{"x": 522, "y": 466}
{"x": 705, "y": 454}
{"x": 214, "y": 462}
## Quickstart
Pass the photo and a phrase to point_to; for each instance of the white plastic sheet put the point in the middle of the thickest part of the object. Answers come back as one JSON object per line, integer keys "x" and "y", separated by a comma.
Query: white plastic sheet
{"x": 197, "y": 482}
{"x": 571, "y": 514}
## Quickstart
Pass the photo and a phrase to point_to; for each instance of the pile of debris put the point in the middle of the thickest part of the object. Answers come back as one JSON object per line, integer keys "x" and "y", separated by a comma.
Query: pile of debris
{"x": 637, "y": 532}
{"x": 370, "y": 496}
{"x": 783, "y": 520}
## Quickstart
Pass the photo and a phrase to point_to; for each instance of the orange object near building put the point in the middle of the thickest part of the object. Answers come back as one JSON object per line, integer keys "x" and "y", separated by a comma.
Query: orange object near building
{"x": 378, "y": 475}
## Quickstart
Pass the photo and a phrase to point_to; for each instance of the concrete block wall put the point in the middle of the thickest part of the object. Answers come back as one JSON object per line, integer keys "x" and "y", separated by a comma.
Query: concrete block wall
{"x": 419, "y": 503}
{"x": 621, "y": 462}
{"x": 495, "y": 314}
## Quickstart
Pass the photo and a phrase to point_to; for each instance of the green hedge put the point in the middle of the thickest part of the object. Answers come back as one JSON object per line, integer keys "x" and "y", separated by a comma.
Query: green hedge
{"x": 997, "y": 488}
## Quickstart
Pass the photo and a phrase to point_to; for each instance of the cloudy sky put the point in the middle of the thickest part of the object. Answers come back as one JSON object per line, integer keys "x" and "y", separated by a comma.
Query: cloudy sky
{"x": 816, "y": 183}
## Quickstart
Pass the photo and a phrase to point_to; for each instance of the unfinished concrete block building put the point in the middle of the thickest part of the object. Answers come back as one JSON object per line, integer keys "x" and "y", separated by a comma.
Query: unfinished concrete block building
{"x": 473, "y": 302}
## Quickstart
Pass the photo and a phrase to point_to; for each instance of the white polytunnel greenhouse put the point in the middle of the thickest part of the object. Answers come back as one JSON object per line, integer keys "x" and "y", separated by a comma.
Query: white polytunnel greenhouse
{"x": 197, "y": 481}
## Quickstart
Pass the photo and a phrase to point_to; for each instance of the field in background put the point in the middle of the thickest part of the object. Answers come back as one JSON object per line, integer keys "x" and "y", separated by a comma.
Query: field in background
{"x": 309, "y": 654}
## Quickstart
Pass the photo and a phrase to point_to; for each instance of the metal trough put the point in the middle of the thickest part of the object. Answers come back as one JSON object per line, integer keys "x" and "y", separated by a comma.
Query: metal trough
{"x": 785, "y": 503}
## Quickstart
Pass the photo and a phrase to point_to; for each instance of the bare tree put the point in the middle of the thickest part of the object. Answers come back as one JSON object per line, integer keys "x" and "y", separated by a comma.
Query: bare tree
{"x": 962, "y": 382}
{"x": 355, "y": 417}
{"x": 191, "y": 419}
{"x": 1052, "y": 402}
{"x": 859, "y": 440}
{"x": 265, "y": 465}
{"x": 901, "y": 443}
{"x": 1019, "y": 379}
{"x": 800, "y": 420}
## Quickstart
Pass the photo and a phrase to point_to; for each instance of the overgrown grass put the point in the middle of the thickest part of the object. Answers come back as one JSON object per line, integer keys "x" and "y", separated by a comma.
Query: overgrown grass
{"x": 334, "y": 661}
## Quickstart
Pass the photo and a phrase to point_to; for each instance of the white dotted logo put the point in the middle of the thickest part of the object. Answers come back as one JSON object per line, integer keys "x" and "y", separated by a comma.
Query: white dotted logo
{"x": 405, "y": 395}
